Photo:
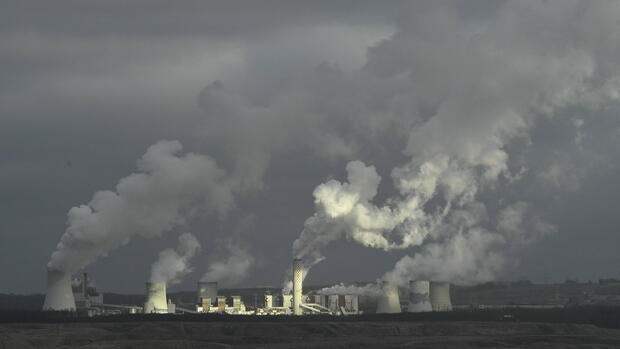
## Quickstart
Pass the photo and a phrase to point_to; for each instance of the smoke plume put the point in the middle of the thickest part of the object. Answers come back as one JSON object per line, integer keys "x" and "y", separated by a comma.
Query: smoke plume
{"x": 483, "y": 88}
{"x": 372, "y": 289}
{"x": 167, "y": 190}
{"x": 173, "y": 265}
{"x": 232, "y": 268}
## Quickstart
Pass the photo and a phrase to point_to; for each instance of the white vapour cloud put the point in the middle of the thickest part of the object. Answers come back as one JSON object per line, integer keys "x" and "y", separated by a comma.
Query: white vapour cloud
{"x": 372, "y": 289}
{"x": 232, "y": 267}
{"x": 166, "y": 191}
{"x": 464, "y": 258}
{"x": 488, "y": 84}
{"x": 172, "y": 265}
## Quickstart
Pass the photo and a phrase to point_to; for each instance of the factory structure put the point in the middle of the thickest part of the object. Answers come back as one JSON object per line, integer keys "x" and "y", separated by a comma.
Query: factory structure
{"x": 64, "y": 293}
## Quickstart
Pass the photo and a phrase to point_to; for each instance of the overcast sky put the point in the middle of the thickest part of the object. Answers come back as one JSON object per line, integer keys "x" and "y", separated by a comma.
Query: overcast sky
{"x": 522, "y": 96}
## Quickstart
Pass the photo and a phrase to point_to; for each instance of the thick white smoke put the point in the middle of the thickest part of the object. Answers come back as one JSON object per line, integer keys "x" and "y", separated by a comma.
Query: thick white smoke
{"x": 163, "y": 194}
{"x": 372, "y": 289}
{"x": 487, "y": 83}
{"x": 172, "y": 264}
{"x": 232, "y": 267}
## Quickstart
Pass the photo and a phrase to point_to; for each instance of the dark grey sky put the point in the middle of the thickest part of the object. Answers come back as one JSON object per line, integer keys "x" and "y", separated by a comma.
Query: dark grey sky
{"x": 282, "y": 94}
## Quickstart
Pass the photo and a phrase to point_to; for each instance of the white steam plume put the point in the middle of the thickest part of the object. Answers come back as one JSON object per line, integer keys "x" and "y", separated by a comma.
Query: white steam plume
{"x": 166, "y": 191}
{"x": 173, "y": 265}
{"x": 372, "y": 289}
{"x": 488, "y": 86}
{"x": 232, "y": 268}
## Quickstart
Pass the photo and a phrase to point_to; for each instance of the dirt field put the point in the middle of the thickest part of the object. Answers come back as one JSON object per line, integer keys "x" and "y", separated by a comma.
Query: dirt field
{"x": 179, "y": 334}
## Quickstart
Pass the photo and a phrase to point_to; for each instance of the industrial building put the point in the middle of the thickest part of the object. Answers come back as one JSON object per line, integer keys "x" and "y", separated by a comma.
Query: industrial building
{"x": 423, "y": 296}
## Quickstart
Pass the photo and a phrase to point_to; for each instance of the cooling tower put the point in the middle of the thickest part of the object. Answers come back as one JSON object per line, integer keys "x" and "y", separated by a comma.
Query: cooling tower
{"x": 298, "y": 277}
{"x": 388, "y": 302}
{"x": 419, "y": 296}
{"x": 156, "y": 298}
{"x": 440, "y": 296}
{"x": 59, "y": 294}
{"x": 206, "y": 290}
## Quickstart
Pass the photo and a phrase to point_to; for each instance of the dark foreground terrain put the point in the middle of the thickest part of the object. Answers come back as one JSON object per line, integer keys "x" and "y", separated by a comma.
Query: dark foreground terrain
{"x": 329, "y": 334}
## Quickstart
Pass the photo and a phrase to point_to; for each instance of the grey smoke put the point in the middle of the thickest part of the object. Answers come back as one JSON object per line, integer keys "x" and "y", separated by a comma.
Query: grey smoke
{"x": 167, "y": 190}
{"x": 172, "y": 265}
{"x": 490, "y": 84}
{"x": 372, "y": 289}
{"x": 232, "y": 267}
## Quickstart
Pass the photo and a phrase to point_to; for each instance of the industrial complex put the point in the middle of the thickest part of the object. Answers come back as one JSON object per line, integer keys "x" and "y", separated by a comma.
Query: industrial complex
{"x": 63, "y": 293}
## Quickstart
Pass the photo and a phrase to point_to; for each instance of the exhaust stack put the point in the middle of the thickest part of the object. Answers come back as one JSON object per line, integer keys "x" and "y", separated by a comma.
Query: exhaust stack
{"x": 59, "y": 295}
{"x": 297, "y": 285}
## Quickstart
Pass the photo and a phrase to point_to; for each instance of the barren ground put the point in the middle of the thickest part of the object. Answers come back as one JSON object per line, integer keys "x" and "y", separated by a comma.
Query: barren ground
{"x": 376, "y": 334}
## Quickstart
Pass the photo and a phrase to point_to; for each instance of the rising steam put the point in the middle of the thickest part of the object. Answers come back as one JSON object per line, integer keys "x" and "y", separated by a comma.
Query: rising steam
{"x": 488, "y": 86}
{"x": 162, "y": 195}
{"x": 173, "y": 265}
{"x": 231, "y": 269}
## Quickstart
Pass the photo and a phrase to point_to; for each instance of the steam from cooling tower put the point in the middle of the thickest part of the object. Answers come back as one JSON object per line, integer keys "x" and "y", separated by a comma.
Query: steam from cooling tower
{"x": 232, "y": 267}
{"x": 371, "y": 289}
{"x": 457, "y": 155}
{"x": 173, "y": 265}
{"x": 164, "y": 193}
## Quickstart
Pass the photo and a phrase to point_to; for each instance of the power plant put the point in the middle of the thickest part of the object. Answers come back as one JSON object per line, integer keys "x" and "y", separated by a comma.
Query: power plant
{"x": 67, "y": 294}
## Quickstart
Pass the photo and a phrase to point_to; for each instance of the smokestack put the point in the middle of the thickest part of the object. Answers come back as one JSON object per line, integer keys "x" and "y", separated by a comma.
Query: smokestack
{"x": 297, "y": 286}
{"x": 440, "y": 296}
{"x": 59, "y": 295}
{"x": 389, "y": 301}
{"x": 419, "y": 296}
{"x": 207, "y": 290}
{"x": 156, "y": 298}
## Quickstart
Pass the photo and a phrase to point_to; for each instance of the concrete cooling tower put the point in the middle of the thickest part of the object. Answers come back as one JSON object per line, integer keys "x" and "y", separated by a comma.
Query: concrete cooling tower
{"x": 155, "y": 298}
{"x": 298, "y": 276}
{"x": 419, "y": 296}
{"x": 389, "y": 301}
{"x": 59, "y": 294}
{"x": 440, "y": 296}
{"x": 207, "y": 290}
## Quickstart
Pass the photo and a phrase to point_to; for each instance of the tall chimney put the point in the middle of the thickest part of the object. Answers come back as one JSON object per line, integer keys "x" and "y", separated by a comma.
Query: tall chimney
{"x": 297, "y": 285}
